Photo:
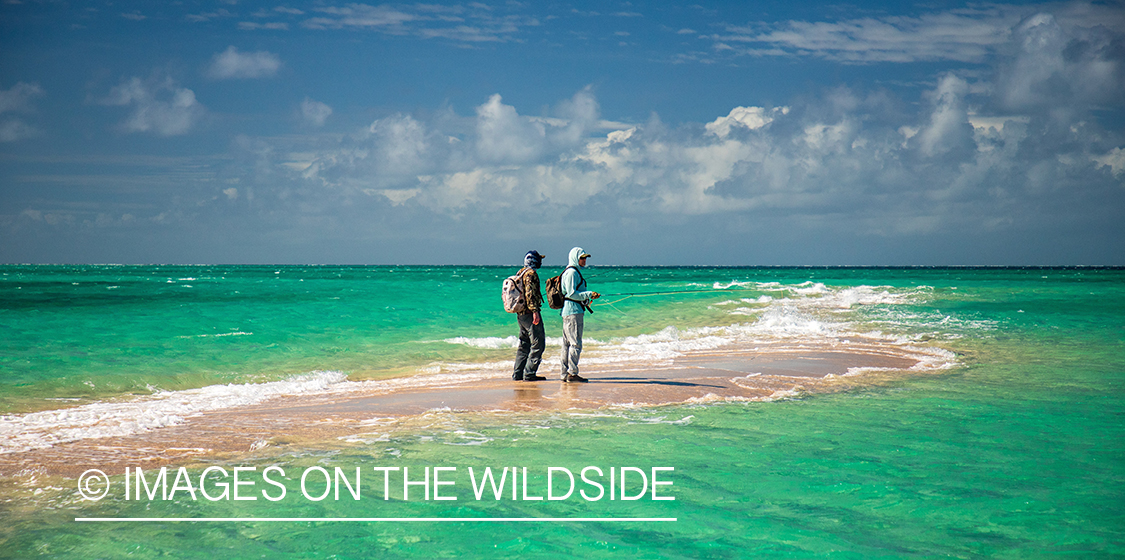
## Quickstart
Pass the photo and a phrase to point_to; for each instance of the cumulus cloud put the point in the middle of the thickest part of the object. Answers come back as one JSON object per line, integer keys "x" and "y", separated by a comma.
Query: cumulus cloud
{"x": 232, "y": 64}
{"x": 315, "y": 112}
{"x": 503, "y": 136}
{"x": 948, "y": 127}
{"x": 1051, "y": 68}
{"x": 158, "y": 106}
{"x": 749, "y": 117}
{"x": 978, "y": 156}
{"x": 824, "y": 159}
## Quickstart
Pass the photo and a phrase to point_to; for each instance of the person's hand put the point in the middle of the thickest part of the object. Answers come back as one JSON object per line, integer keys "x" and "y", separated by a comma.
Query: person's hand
{"x": 536, "y": 319}
{"x": 595, "y": 295}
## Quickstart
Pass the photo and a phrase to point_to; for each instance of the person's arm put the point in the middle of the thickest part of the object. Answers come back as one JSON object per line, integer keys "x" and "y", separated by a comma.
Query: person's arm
{"x": 570, "y": 284}
{"x": 534, "y": 295}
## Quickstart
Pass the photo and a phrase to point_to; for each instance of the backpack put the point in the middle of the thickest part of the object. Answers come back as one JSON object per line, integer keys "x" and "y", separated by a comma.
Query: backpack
{"x": 555, "y": 296}
{"x": 553, "y": 287}
{"x": 512, "y": 293}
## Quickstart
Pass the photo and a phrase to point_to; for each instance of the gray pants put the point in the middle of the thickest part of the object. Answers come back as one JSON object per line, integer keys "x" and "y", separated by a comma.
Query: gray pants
{"x": 530, "y": 349}
{"x": 572, "y": 343}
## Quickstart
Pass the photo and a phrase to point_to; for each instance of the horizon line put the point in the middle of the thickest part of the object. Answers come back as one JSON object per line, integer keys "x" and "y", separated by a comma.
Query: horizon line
{"x": 376, "y": 519}
{"x": 343, "y": 265}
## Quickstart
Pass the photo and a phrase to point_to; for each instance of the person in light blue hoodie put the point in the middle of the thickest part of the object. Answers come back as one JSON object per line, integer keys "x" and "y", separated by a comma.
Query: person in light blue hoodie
{"x": 573, "y": 313}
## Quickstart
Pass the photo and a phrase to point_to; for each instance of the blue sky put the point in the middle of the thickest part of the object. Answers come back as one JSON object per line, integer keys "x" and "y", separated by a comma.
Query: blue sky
{"x": 740, "y": 133}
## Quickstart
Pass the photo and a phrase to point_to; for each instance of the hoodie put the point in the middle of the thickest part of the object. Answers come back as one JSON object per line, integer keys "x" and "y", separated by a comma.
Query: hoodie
{"x": 572, "y": 287}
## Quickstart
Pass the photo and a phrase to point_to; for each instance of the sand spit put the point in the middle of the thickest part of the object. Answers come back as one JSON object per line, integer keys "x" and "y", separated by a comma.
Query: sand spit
{"x": 746, "y": 374}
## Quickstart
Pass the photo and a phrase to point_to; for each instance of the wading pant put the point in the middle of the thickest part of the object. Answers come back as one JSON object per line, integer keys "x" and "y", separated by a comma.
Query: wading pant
{"x": 572, "y": 343}
{"x": 530, "y": 350}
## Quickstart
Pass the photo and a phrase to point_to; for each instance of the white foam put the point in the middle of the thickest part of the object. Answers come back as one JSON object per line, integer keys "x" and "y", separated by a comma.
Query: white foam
{"x": 789, "y": 321}
{"x": 238, "y": 333}
{"x": 809, "y": 314}
{"x": 663, "y": 345}
{"x": 785, "y": 394}
{"x": 504, "y": 343}
{"x": 490, "y": 342}
{"x": 794, "y": 317}
{"x": 36, "y": 430}
{"x": 711, "y": 398}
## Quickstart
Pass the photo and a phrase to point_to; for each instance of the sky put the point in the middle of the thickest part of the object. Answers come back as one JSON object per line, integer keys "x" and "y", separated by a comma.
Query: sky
{"x": 716, "y": 133}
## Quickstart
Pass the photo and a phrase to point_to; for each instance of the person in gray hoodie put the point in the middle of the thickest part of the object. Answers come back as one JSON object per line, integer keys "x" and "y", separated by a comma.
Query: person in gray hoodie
{"x": 573, "y": 313}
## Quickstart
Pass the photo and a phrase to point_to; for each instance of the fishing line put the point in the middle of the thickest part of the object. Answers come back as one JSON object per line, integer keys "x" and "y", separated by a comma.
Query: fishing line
{"x": 642, "y": 294}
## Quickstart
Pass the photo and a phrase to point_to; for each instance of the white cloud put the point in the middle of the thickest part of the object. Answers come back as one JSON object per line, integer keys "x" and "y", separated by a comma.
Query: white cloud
{"x": 749, "y": 117}
{"x": 254, "y": 26}
{"x": 971, "y": 35}
{"x": 818, "y": 160}
{"x": 18, "y": 97}
{"x": 982, "y": 153}
{"x": 402, "y": 148}
{"x": 1054, "y": 68}
{"x": 232, "y": 64}
{"x": 315, "y": 112}
{"x": 208, "y": 16}
{"x": 504, "y": 136}
{"x": 577, "y": 116}
{"x": 361, "y": 16}
{"x": 161, "y": 107}
{"x": 12, "y": 130}
{"x": 475, "y": 23}
{"x": 965, "y": 37}
{"x": 949, "y": 126}
{"x": 1115, "y": 160}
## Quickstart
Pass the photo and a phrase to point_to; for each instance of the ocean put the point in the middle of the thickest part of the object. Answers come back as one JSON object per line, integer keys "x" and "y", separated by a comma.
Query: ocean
{"x": 1007, "y": 439}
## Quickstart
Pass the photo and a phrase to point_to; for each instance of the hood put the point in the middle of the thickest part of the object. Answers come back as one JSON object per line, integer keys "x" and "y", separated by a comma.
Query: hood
{"x": 573, "y": 258}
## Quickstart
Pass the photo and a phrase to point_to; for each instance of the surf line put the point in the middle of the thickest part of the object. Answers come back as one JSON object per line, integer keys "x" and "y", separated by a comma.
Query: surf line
{"x": 378, "y": 519}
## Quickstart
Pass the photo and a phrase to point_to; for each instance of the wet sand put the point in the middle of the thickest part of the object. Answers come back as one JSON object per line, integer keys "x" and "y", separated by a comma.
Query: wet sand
{"x": 744, "y": 374}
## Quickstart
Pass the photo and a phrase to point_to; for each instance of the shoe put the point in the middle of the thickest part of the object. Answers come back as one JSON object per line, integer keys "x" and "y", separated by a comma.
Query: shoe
{"x": 575, "y": 378}
{"x": 534, "y": 377}
{"x": 514, "y": 378}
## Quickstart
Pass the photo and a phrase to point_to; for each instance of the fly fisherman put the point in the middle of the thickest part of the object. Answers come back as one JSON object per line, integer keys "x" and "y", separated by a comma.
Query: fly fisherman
{"x": 574, "y": 309}
{"x": 532, "y": 338}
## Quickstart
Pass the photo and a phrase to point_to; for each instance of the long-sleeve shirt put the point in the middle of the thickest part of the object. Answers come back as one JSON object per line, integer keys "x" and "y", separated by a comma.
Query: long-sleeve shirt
{"x": 573, "y": 289}
{"x": 531, "y": 292}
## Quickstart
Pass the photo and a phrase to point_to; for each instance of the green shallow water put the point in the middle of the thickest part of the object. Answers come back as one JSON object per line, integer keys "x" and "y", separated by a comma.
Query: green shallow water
{"x": 1018, "y": 452}
{"x": 83, "y": 333}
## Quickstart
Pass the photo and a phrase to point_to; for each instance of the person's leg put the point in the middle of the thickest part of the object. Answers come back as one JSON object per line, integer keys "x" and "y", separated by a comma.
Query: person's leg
{"x": 572, "y": 343}
{"x": 524, "y": 347}
{"x": 567, "y": 340}
{"x": 576, "y": 346}
{"x": 538, "y": 343}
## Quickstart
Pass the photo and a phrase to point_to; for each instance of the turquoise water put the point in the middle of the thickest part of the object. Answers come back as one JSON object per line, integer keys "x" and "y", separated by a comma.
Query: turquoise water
{"x": 1014, "y": 450}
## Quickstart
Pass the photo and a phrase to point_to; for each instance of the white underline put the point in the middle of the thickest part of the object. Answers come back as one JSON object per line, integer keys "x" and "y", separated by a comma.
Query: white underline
{"x": 375, "y": 519}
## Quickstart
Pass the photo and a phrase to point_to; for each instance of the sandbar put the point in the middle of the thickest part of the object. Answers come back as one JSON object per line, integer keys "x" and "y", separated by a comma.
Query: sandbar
{"x": 731, "y": 374}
